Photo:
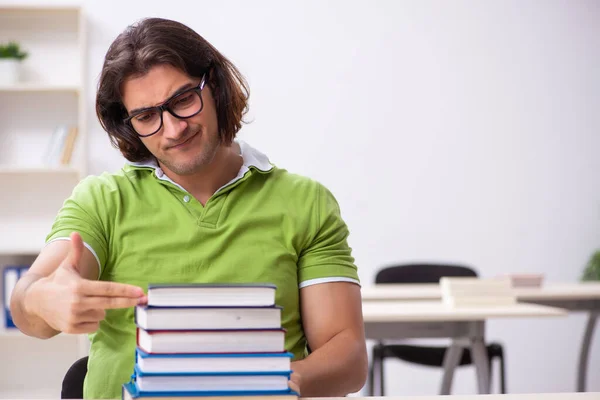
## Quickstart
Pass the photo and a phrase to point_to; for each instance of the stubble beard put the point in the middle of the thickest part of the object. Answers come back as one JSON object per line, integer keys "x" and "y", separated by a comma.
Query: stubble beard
{"x": 205, "y": 155}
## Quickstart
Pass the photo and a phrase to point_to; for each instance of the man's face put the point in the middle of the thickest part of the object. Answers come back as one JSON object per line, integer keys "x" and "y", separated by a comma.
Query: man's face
{"x": 183, "y": 146}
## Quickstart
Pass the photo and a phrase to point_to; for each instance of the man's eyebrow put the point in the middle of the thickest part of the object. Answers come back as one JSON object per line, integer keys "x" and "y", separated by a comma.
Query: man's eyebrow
{"x": 178, "y": 91}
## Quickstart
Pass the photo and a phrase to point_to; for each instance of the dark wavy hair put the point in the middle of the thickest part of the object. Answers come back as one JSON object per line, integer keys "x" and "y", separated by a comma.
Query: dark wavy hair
{"x": 155, "y": 41}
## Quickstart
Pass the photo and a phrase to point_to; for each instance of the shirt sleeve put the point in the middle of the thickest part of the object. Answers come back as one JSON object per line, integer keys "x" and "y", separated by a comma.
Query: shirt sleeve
{"x": 327, "y": 257}
{"x": 80, "y": 213}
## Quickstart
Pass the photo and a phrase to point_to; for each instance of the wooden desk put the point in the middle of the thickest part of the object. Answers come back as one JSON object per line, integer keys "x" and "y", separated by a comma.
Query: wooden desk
{"x": 402, "y": 319}
{"x": 584, "y": 296}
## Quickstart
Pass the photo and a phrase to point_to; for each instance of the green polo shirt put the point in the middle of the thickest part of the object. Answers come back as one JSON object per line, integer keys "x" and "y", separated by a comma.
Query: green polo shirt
{"x": 266, "y": 225}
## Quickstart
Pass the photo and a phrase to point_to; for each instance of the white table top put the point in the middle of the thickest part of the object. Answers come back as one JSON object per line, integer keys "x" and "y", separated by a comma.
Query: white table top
{"x": 549, "y": 291}
{"x": 526, "y": 396}
{"x": 436, "y": 311}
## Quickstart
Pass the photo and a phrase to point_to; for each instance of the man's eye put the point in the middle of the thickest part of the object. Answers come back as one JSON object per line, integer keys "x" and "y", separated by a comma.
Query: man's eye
{"x": 145, "y": 117}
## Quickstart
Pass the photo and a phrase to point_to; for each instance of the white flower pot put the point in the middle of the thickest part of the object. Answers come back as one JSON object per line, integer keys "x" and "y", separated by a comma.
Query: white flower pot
{"x": 9, "y": 71}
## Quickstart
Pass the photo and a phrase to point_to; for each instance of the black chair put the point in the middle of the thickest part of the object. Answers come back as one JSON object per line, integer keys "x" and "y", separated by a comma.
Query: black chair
{"x": 424, "y": 355}
{"x": 72, "y": 384}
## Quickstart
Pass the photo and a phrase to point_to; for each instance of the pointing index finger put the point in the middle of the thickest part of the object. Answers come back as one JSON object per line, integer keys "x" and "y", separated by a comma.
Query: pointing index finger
{"x": 110, "y": 289}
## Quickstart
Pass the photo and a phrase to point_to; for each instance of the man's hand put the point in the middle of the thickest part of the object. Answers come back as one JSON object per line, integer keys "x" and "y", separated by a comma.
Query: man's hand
{"x": 71, "y": 304}
{"x": 295, "y": 379}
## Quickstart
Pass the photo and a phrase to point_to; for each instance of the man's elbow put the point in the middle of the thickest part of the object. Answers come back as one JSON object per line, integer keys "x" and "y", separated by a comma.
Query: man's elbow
{"x": 360, "y": 367}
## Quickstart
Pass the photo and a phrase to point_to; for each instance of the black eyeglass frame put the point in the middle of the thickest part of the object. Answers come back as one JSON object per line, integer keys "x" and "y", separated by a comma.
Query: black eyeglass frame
{"x": 161, "y": 108}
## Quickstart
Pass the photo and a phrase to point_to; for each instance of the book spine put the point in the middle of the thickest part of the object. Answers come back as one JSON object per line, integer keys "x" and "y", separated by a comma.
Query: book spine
{"x": 10, "y": 278}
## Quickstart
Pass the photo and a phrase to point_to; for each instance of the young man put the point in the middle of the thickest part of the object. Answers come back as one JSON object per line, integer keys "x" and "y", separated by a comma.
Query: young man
{"x": 192, "y": 205}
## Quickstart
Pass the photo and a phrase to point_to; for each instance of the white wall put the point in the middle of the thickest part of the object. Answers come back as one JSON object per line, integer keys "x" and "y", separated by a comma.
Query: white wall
{"x": 463, "y": 131}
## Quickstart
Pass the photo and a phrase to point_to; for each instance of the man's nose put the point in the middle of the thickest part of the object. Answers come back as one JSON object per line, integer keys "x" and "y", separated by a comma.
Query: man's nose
{"x": 173, "y": 127}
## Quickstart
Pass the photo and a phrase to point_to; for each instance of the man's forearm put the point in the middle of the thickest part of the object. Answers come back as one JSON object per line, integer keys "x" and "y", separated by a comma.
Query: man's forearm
{"x": 337, "y": 368}
{"x": 26, "y": 321}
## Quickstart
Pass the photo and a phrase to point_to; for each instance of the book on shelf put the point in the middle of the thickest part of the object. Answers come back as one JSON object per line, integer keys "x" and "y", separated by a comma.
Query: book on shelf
{"x": 210, "y": 341}
{"x": 61, "y": 146}
{"x": 11, "y": 274}
{"x": 189, "y": 318}
{"x": 212, "y": 295}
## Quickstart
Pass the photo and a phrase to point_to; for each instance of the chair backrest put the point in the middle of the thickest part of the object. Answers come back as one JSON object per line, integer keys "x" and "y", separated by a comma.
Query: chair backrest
{"x": 422, "y": 273}
{"x": 72, "y": 385}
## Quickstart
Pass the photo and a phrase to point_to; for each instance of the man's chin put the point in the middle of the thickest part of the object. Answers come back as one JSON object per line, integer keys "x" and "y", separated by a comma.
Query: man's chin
{"x": 184, "y": 169}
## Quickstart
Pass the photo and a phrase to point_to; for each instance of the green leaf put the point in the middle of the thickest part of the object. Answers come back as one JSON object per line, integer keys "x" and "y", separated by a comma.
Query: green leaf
{"x": 592, "y": 268}
{"x": 12, "y": 50}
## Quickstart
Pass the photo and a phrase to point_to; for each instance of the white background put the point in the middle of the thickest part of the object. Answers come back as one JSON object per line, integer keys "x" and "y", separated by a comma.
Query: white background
{"x": 464, "y": 131}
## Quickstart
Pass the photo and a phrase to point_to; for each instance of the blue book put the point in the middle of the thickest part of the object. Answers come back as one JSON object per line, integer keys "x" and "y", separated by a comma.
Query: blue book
{"x": 212, "y": 295}
{"x": 202, "y": 362}
{"x": 131, "y": 391}
{"x": 10, "y": 278}
{"x": 211, "y": 381}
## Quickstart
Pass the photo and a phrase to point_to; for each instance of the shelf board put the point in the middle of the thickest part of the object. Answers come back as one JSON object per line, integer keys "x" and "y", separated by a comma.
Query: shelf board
{"x": 39, "y": 9}
{"x": 15, "y": 333}
{"x": 35, "y": 393}
{"x": 39, "y": 88}
{"x": 38, "y": 170}
{"x": 11, "y": 332}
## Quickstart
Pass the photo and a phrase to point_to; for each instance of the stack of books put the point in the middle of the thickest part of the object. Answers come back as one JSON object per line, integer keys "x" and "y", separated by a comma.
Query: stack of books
{"x": 210, "y": 341}
{"x": 477, "y": 292}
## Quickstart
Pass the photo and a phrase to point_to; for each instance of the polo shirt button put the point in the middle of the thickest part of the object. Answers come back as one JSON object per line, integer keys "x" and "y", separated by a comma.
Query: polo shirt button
{"x": 159, "y": 172}
{"x": 186, "y": 198}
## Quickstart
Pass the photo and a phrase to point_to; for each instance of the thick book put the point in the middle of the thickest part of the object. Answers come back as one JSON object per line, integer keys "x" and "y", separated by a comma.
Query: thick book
{"x": 211, "y": 381}
{"x": 212, "y": 341}
{"x": 188, "y": 318}
{"x": 211, "y": 295}
{"x": 231, "y": 363}
{"x": 131, "y": 391}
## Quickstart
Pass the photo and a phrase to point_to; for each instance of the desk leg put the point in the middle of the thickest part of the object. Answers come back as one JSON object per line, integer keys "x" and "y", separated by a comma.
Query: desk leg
{"x": 480, "y": 358}
{"x": 585, "y": 351}
{"x": 451, "y": 360}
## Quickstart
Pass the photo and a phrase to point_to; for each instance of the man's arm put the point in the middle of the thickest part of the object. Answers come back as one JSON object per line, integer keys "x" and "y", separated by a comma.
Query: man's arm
{"x": 46, "y": 263}
{"x": 60, "y": 292}
{"x": 333, "y": 324}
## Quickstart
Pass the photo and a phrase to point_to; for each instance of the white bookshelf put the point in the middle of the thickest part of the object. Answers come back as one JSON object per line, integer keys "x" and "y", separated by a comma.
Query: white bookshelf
{"x": 50, "y": 93}
{"x": 40, "y": 88}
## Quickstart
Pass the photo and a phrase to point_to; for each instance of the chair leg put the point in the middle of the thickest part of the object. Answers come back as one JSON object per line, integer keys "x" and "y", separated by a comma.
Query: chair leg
{"x": 490, "y": 367}
{"x": 370, "y": 383}
{"x": 381, "y": 379}
{"x": 502, "y": 376}
{"x": 377, "y": 371}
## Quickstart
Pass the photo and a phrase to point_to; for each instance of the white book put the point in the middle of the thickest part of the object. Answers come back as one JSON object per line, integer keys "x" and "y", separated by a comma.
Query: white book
{"x": 206, "y": 341}
{"x": 473, "y": 292}
{"x": 211, "y": 295}
{"x": 209, "y": 362}
{"x": 191, "y": 318}
{"x": 130, "y": 391}
{"x": 212, "y": 382}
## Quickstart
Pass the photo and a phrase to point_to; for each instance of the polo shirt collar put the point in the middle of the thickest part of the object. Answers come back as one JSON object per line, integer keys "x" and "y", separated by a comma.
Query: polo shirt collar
{"x": 251, "y": 158}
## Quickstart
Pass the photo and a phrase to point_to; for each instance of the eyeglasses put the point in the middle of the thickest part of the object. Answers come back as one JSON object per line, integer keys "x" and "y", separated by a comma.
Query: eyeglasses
{"x": 182, "y": 105}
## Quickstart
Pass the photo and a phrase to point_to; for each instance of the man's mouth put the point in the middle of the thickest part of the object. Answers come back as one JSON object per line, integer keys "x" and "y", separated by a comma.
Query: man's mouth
{"x": 185, "y": 142}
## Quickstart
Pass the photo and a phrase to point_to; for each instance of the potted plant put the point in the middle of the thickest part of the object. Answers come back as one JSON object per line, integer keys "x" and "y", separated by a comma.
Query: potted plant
{"x": 592, "y": 269}
{"x": 11, "y": 56}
